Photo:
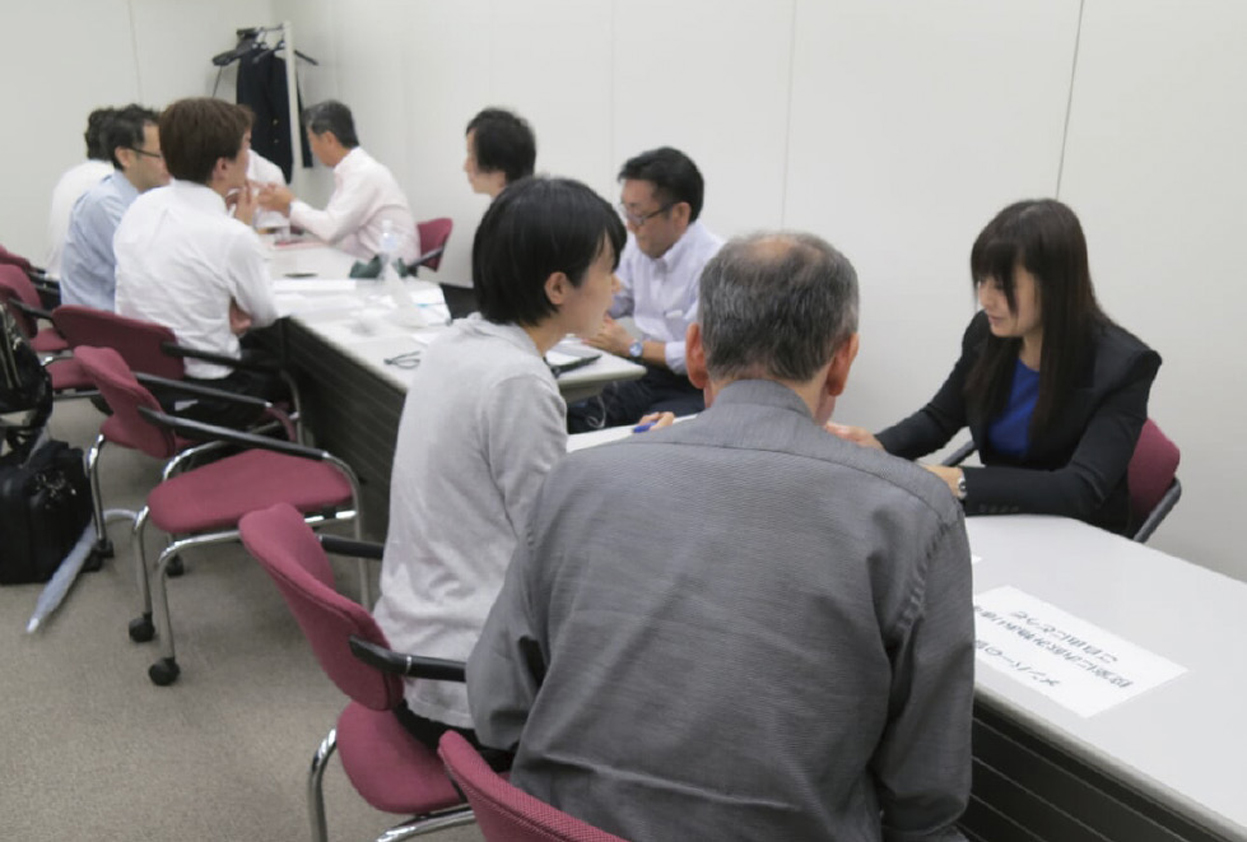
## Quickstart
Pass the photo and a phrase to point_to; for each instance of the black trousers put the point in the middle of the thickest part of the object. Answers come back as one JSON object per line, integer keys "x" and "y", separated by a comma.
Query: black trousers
{"x": 428, "y": 732}
{"x": 658, "y": 390}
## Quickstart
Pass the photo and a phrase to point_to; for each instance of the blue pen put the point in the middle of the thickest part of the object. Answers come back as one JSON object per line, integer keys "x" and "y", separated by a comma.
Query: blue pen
{"x": 640, "y": 428}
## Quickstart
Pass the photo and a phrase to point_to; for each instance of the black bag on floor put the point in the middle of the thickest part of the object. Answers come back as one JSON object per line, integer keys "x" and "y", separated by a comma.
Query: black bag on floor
{"x": 45, "y": 503}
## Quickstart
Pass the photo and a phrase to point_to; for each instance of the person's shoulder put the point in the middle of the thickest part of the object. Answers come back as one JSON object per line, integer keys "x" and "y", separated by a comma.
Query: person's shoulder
{"x": 1119, "y": 353}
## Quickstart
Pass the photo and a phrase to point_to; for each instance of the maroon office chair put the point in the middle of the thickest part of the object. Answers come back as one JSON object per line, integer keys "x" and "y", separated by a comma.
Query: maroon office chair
{"x": 151, "y": 351}
{"x": 505, "y": 813}
{"x": 1150, "y": 478}
{"x": 203, "y": 505}
{"x": 390, "y": 769}
{"x": 23, "y": 301}
{"x": 433, "y": 236}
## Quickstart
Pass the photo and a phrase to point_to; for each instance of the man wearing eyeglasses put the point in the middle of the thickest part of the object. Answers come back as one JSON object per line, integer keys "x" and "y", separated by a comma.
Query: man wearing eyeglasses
{"x": 660, "y": 201}
{"x": 88, "y": 265}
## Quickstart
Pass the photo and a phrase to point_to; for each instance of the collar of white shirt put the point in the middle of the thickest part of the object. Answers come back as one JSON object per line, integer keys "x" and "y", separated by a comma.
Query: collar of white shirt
{"x": 198, "y": 196}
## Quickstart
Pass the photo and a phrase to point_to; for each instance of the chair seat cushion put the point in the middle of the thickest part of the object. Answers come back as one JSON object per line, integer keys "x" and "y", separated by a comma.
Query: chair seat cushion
{"x": 69, "y": 374}
{"x": 217, "y": 495}
{"x": 48, "y": 341}
{"x": 389, "y": 768}
{"x": 114, "y": 431}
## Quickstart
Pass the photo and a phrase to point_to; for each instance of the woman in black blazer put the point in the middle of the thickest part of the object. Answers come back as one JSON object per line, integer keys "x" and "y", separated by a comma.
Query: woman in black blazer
{"x": 1054, "y": 392}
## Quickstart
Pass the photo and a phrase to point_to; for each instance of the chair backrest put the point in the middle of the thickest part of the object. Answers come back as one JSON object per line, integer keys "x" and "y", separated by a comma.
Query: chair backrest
{"x": 1151, "y": 471}
{"x": 9, "y": 258}
{"x": 124, "y": 395}
{"x": 137, "y": 341}
{"x": 433, "y": 236}
{"x": 16, "y": 284}
{"x": 505, "y": 813}
{"x": 287, "y": 548}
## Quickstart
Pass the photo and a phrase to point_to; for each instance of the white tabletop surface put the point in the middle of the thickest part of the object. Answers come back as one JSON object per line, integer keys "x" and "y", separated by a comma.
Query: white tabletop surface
{"x": 361, "y": 319}
{"x": 1186, "y": 739}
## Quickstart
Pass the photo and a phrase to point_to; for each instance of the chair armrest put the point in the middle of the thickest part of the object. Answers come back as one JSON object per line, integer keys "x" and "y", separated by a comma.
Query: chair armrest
{"x": 175, "y": 350}
{"x": 198, "y": 390}
{"x": 200, "y": 431}
{"x": 1159, "y": 513}
{"x": 959, "y": 455}
{"x": 36, "y": 312}
{"x": 410, "y": 666}
{"x": 349, "y": 546}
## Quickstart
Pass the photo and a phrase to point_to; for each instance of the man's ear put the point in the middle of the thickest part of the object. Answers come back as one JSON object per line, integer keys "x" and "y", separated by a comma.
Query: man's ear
{"x": 695, "y": 357}
{"x": 841, "y": 362}
{"x": 126, "y": 156}
{"x": 558, "y": 286}
{"x": 682, "y": 212}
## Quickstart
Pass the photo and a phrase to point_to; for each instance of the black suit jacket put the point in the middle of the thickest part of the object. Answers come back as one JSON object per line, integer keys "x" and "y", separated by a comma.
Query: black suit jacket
{"x": 1077, "y": 467}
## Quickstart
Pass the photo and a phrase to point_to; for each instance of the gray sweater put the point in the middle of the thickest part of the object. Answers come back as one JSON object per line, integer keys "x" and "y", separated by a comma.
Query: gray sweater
{"x": 740, "y": 627}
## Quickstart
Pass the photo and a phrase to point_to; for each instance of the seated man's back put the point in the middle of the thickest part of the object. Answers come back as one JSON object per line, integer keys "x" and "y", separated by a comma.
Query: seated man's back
{"x": 737, "y": 628}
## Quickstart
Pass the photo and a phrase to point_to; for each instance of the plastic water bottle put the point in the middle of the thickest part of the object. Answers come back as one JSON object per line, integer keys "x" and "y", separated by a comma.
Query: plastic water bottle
{"x": 407, "y": 314}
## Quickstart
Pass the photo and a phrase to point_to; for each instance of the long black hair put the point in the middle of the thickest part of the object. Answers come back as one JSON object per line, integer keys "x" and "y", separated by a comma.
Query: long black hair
{"x": 1044, "y": 237}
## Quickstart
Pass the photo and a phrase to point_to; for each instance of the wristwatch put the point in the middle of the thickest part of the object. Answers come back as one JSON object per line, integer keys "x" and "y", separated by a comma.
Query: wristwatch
{"x": 635, "y": 349}
{"x": 961, "y": 486}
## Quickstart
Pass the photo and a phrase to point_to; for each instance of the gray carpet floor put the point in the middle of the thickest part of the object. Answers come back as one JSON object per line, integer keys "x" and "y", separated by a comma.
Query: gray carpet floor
{"x": 93, "y": 751}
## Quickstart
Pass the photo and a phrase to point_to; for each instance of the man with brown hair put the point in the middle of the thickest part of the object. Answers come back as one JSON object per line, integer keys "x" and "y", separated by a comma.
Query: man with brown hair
{"x": 184, "y": 262}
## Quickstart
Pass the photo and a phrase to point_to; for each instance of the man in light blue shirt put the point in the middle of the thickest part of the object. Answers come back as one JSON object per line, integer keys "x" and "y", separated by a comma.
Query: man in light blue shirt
{"x": 88, "y": 268}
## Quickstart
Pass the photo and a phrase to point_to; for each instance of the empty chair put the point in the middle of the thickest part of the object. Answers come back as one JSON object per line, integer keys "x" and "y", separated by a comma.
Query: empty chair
{"x": 204, "y": 504}
{"x": 1152, "y": 479}
{"x": 433, "y": 236}
{"x": 505, "y": 813}
{"x": 389, "y": 768}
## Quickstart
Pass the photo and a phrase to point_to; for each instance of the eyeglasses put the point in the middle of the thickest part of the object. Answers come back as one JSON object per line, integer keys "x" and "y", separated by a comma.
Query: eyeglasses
{"x": 639, "y": 219}
{"x": 146, "y": 154}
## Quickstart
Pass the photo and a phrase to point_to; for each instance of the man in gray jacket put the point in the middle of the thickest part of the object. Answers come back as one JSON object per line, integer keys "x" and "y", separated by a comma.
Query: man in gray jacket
{"x": 755, "y": 630}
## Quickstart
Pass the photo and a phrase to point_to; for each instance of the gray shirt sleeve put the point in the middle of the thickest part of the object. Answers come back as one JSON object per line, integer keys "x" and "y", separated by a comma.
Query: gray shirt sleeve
{"x": 922, "y": 764}
{"x": 507, "y": 664}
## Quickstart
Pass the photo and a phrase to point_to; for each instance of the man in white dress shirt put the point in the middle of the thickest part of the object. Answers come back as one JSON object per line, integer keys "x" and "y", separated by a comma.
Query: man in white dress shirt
{"x": 184, "y": 262}
{"x": 88, "y": 267}
{"x": 661, "y": 200}
{"x": 77, "y": 180}
{"x": 365, "y": 194}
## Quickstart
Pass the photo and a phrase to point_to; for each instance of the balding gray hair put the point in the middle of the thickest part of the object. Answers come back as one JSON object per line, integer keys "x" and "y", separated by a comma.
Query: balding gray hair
{"x": 776, "y": 305}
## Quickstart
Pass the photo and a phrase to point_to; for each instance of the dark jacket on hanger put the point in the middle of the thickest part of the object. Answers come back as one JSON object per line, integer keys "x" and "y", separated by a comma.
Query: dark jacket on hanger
{"x": 262, "y": 87}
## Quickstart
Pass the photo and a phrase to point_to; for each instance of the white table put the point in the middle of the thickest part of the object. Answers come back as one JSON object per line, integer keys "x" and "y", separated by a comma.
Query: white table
{"x": 345, "y": 343}
{"x": 1167, "y": 764}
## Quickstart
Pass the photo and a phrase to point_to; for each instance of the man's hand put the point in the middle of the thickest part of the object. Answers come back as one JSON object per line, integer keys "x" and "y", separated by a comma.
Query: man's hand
{"x": 857, "y": 435}
{"x": 242, "y": 202}
{"x": 275, "y": 197}
{"x": 239, "y": 320}
{"x": 654, "y": 421}
{"x": 611, "y": 337}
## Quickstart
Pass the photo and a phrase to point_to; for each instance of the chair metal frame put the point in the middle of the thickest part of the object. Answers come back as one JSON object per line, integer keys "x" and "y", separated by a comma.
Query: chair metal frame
{"x": 155, "y": 600}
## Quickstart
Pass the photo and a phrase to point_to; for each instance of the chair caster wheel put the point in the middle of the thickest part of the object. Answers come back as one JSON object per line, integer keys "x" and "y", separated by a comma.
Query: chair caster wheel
{"x": 95, "y": 560}
{"x": 141, "y": 629}
{"x": 175, "y": 567}
{"x": 164, "y": 672}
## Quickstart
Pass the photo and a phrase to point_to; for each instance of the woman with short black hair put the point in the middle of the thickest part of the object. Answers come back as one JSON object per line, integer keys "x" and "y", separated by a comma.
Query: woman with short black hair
{"x": 1053, "y": 391}
{"x": 482, "y": 425}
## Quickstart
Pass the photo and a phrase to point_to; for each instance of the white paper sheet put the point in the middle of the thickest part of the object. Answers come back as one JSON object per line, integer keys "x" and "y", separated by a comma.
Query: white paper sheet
{"x": 1077, "y": 664}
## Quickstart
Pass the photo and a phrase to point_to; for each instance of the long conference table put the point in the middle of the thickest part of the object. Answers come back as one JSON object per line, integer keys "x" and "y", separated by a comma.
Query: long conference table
{"x": 1109, "y": 688}
{"x": 353, "y": 351}
{"x": 1110, "y": 676}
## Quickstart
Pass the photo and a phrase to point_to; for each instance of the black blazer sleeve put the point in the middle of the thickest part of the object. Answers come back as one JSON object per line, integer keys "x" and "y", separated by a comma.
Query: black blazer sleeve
{"x": 1077, "y": 468}
{"x": 931, "y": 427}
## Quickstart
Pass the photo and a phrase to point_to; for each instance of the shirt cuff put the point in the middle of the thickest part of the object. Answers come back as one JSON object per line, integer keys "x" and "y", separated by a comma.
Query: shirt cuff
{"x": 673, "y": 352}
{"x": 297, "y": 208}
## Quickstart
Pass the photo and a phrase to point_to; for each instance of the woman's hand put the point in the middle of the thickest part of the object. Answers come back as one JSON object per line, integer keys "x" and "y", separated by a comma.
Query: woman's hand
{"x": 950, "y": 475}
{"x": 857, "y": 435}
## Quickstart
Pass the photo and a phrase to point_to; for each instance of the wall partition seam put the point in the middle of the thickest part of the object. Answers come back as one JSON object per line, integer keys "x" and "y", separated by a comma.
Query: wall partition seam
{"x": 134, "y": 43}
{"x": 1069, "y": 101}
{"x": 793, "y": 8}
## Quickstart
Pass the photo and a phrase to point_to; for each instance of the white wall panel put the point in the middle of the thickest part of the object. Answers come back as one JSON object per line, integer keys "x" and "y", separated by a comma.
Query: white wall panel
{"x": 913, "y": 123}
{"x": 710, "y": 78}
{"x": 1156, "y": 166}
{"x": 61, "y": 60}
